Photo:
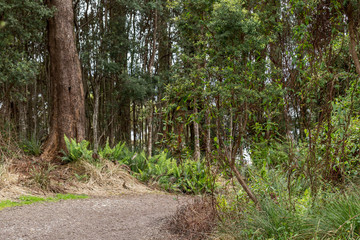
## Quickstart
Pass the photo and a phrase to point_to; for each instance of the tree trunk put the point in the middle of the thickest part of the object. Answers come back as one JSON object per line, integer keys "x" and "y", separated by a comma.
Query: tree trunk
{"x": 68, "y": 107}
{"x": 196, "y": 135}
{"x": 208, "y": 135}
{"x": 150, "y": 66}
{"x": 22, "y": 116}
{"x": 96, "y": 117}
{"x": 150, "y": 130}
{"x": 352, "y": 35}
{"x": 134, "y": 125}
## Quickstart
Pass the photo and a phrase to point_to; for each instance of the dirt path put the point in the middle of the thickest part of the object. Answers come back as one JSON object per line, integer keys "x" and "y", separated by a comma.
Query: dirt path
{"x": 125, "y": 217}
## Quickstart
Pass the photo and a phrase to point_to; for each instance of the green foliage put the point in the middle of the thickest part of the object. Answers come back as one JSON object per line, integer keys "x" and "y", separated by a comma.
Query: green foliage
{"x": 22, "y": 23}
{"x": 26, "y": 200}
{"x": 188, "y": 176}
{"x": 115, "y": 153}
{"x": 338, "y": 217}
{"x": 40, "y": 175}
{"x": 76, "y": 151}
{"x": 32, "y": 146}
{"x": 296, "y": 215}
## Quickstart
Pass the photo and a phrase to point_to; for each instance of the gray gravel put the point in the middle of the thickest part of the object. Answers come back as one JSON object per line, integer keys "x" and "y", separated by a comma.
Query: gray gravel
{"x": 125, "y": 217}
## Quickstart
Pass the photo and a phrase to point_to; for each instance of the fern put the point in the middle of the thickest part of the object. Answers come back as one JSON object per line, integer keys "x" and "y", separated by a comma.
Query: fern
{"x": 76, "y": 151}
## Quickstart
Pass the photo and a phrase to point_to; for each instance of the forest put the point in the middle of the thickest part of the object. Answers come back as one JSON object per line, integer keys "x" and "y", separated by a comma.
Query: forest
{"x": 252, "y": 103}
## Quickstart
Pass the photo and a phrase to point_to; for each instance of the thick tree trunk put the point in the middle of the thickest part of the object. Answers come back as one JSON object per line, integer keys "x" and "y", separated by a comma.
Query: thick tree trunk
{"x": 68, "y": 107}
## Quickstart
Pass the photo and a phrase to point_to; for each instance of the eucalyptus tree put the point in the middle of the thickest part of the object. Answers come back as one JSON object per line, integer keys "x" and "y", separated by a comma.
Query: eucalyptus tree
{"x": 67, "y": 92}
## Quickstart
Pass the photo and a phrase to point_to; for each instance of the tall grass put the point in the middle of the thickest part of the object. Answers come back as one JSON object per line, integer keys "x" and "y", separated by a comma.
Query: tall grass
{"x": 336, "y": 217}
{"x": 329, "y": 215}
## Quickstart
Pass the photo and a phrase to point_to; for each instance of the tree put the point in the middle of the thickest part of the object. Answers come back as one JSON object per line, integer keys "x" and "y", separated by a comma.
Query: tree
{"x": 67, "y": 105}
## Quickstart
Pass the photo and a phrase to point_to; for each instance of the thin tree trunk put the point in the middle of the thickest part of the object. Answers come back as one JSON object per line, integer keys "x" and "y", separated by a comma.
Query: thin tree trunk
{"x": 230, "y": 162}
{"x": 151, "y": 64}
{"x": 134, "y": 125}
{"x": 150, "y": 130}
{"x": 96, "y": 117}
{"x": 242, "y": 182}
{"x": 208, "y": 135}
{"x": 196, "y": 134}
{"x": 353, "y": 43}
{"x": 22, "y": 116}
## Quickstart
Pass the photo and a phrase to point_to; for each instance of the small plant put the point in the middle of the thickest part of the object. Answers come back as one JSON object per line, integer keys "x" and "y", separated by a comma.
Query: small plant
{"x": 114, "y": 154}
{"x": 76, "y": 151}
{"x": 32, "y": 146}
{"x": 82, "y": 177}
{"x": 333, "y": 214}
{"x": 40, "y": 175}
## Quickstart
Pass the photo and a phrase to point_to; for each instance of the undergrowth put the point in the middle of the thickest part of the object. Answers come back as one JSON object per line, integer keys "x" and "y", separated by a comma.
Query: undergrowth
{"x": 161, "y": 170}
{"x": 32, "y": 146}
{"x": 331, "y": 214}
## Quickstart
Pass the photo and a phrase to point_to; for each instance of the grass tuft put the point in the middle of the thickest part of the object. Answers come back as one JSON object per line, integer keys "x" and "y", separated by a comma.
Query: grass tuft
{"x": 26, "y": 200}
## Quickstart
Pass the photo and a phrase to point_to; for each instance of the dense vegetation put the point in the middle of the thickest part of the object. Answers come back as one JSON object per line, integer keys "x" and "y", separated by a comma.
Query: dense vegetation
{"x": 240, "y": 99}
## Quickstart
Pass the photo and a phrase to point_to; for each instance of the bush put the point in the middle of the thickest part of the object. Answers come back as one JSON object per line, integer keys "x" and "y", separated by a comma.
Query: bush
{"x": 162, "y": 170}
{"x": 331, "y": 214}
{"x": 114, "y": 154}
{"x": 76, "y": 151}
{"x": 39, "y": 175}
{"x": 32, "y": 146}
{"x": 188, "y": 177}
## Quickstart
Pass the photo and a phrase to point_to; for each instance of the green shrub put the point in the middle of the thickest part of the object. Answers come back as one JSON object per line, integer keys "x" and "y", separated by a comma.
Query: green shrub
{"x": 189, "y": 176}
{"x": 76, "y": 151}
{"x": 162, "y": 170}
{"x": 116, "y": 153}
{"x": 331, "y": 214}
{"x": 32, "y": 146}
{"x": 40, "y": 175}
{"x": 195, "y": 177}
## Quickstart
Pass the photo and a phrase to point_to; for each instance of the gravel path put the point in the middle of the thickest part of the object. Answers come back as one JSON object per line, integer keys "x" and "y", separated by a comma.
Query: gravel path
{"x": 125, "y": 217}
